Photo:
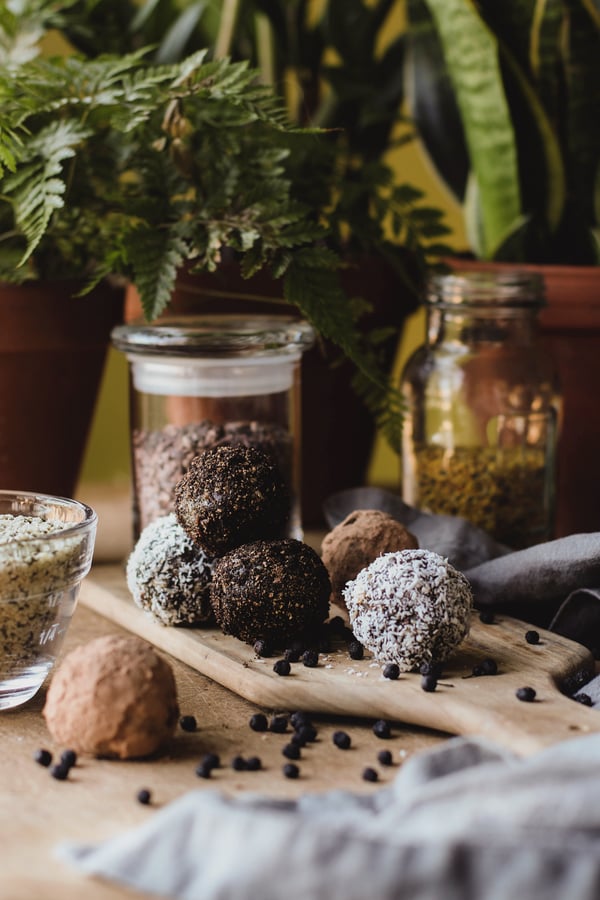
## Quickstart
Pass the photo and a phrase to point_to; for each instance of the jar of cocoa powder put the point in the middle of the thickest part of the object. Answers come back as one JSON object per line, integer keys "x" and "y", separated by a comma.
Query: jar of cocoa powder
{"x": 480, "y": 432}
{"x": 200, "y": 381}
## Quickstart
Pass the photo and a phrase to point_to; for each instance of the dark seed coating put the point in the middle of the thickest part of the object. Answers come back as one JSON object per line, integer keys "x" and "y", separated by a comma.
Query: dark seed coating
{"x": 370, "y": 774}
{"x": 232, "y": 495}
{"x": 342, "y": 740}
{"x": 291, "y": 751}
{"x": 60, "y": 771}
{"x": 68, "y": 758}
{"x": 310, "y": 658}
{"x": 532, "y": 637}
{"x": 391, "y": 671}
{"x": 291, "y": 770}
{"x": 278, "y": 724}
{"x": 43, "y": 757}
{"x": 384, "y": 757}
{"x": 356, "y": 650}
{"x": 428, "y": 683}
{"x": 253, "y": 764}
{"x": 258, "y": 722}
{"x": 203, "y": 771}
{"x": 211, "y": 760}
{"x": 381, "y": 729}
{"x": 526, "y": 694}
{"x": 270, "y": 590}
{"x": 188, "y": 723}
{"x": 239, "y": 764}
{"x": 299, "y": 718}
{"x": 282, "y": 667}
{"x": 143, "y": 796}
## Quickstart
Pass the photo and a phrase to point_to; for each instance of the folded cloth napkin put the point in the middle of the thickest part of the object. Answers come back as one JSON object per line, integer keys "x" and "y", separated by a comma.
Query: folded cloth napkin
{"x": 555, "y": 584}
{"x": 465, "y": 820}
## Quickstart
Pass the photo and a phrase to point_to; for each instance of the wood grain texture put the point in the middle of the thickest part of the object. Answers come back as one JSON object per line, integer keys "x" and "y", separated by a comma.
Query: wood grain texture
{"x": 339, "y": 686}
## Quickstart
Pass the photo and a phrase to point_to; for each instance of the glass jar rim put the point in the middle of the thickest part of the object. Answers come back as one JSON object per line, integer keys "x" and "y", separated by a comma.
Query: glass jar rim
{"x": 216, "y": 335}
{"x": 507, "y": 287}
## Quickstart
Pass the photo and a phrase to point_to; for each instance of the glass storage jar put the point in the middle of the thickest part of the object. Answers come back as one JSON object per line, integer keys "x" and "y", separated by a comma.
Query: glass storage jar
{"x": 199, "y": 381}
{"x": 480, "y": 433}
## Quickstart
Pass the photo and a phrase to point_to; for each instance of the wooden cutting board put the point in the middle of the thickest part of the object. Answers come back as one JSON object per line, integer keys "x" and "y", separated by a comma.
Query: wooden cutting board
{"x": 485, "y": 706}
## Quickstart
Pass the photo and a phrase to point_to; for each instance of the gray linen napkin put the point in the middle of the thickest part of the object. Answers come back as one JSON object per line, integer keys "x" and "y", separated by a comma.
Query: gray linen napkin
{"x": 551, "y": 584}
{"x": 465, "y": 820}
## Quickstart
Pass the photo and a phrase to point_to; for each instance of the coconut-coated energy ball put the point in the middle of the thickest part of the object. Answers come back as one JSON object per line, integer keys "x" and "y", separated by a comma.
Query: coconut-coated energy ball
{"x": 270, "y": 590}
{"x": 410, "y": 607}
{"x": 356, "y": 541}
{"x": 232, "y": 495}
{"x": 168, "y": 575}
{"x": 113, "y": 697}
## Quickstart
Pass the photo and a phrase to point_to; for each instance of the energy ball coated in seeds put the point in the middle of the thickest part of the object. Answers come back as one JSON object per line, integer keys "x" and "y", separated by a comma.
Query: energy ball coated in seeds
{"x": 168, "y": 575}
{"x": 232, "y": 495}
{"x": 410, "y": 607}
{"x": 270, "y": 590}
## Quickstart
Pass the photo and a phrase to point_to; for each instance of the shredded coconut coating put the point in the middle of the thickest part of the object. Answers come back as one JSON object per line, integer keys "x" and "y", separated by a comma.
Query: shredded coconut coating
{"x": 168, "y": 575}
{"x": 410, "y": 607}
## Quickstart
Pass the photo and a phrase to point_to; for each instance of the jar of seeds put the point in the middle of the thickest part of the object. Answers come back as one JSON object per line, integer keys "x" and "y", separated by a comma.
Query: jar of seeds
{"x": 200, "y": 381}
{"x": 480, "y": 433}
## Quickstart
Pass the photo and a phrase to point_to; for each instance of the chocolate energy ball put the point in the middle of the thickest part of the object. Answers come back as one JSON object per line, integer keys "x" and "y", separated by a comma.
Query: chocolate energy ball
{"x": 232, "y": 495}
{"x": 410, "y": 607}
{"x": 362, "y": 536}
{"x": 168, "y": 575}
{"x": 270, "y": 590}
{"x": 113, "y": 697}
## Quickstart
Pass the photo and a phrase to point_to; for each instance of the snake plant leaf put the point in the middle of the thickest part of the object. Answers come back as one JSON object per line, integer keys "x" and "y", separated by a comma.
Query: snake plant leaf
{"x": 472, "y": 55}
{"x": 432, "y": 101}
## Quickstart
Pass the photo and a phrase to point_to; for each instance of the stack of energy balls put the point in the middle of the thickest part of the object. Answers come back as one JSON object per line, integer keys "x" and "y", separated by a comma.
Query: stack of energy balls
{"x": 223, "y": 556}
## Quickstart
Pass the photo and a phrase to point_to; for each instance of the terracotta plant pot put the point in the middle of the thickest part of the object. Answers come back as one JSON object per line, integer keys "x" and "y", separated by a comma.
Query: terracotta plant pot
{"x": 337, "y": 429}
{"x": 52, "y": 351}
{"x": 570, "y": 325}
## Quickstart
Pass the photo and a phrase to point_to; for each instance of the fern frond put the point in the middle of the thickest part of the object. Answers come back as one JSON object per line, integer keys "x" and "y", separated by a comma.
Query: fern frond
{"x": 155, "y": 258}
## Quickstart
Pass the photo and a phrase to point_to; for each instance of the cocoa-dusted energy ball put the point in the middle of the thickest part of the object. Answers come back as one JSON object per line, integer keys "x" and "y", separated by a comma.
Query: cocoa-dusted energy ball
{"x": 113, "y": 697}
{"x": 409, "y": 608}
{"x": 354, "y": 543}
{"x": 270, "y": 590}
{"x": 168, "y": 575}
{"x": 232, "y": 495}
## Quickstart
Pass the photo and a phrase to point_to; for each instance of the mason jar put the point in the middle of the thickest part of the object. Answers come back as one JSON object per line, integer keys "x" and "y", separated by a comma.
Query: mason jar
{"x": 200, "y": 381}
{"x": 483, "y": 407}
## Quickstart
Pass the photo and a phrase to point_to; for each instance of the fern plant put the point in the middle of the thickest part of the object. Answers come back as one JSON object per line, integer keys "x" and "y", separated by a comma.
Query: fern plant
{"x": 114, "y": 167}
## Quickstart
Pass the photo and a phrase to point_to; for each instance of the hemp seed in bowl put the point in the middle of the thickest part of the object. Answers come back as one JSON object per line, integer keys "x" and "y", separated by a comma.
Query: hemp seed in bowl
{"x": 46, "y": 546}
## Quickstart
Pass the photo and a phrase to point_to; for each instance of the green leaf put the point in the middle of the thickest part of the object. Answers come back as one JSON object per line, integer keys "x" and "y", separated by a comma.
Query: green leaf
{"x": 471, "y": 53}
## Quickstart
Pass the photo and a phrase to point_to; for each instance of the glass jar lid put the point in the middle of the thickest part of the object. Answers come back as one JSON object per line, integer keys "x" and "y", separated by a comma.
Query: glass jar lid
{"x": 216, "y": 336}
{"x": 514, "y": 288}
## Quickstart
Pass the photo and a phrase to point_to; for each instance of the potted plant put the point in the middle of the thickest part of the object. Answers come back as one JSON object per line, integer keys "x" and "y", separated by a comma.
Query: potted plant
{"x": 505, "y": 98}
{"x": 116, "y": 167}
{"x": 338, "y": 68}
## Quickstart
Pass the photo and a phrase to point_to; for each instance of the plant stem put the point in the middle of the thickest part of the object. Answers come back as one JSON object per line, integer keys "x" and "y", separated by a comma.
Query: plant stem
{"x": 226, "y": 28}
{"x": 265, "y": 49}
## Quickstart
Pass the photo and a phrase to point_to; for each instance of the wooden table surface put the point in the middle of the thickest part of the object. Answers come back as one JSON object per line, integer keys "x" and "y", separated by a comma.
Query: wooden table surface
{"x": 99, "y": 799}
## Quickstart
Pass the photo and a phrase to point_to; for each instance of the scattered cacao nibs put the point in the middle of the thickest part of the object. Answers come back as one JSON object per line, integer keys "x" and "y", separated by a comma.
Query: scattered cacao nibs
{"x": 526, "y": 694}
{"x": 212, "y": 760}
{"x": 293, "y": 654}
{"x": 584, "y": 699}
{"x": 299, "y": 718}
{"x": 391, "y": 671}
{"x": 381, "y": 729}
{"x": 291, "y": 770}
{"x": 188, "y": 723}
{"x": 487, "y": 666}
{"x": 310, "y": 658}
{"x": 60, "y": 771}
{"x": 384, "y": 757}
{"x": 356, "y": 650}
{"x": 261, "y": 648}
{"x": 342, "y": 740}
{"x": 43, "y": 757}
{"x": 370, "y": 774}
{"x": 282, "y": 667}
{"x": 68, "y": 758}
{"x": 203, "y": 771}
{"x": 278, "y": 724}
{"x": 143, "y": 796}
{"x": 258, "y": 722}
{"x": 532, "y": 637}
{"x": 253, "y": 764}
{"x": 238, "y": 763}
{"x": 486, "y": 617}
{"x": 306, "y": 734}
{"x": 431, "y": 668}
{"x": 291, "y": 751}
{"x": 429, "y": 683}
